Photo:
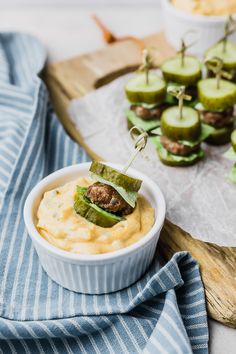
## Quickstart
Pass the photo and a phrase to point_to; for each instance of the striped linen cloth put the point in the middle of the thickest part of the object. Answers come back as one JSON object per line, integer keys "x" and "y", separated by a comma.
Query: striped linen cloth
{"x": 164, "y": 312}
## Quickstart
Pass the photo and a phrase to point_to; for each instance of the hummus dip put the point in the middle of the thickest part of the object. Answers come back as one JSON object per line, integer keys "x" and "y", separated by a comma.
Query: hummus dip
{"x": 206, "y": 7}
{"x": 59, "y": 224}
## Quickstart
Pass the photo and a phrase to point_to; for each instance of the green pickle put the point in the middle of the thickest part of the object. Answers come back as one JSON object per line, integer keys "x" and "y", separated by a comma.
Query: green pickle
{"x": 233, "y": 140}
{"x": 228, "y": 55}
{"x": 187, "y": 74}
{"x": 220, "y": 136}
{"x": 92, "y": 212}
{"x": 175, "y": 160}
{"x": 137, "y": 90}
{"x": 112, "y": 175}
{"x": 186, "y": 128}
{"x": 167, "y": 159}
{"x": 213, "y": 98}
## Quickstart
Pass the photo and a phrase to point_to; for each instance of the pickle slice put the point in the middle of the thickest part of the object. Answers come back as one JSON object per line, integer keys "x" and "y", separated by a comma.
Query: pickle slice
{"x": 220, "y": 136}
{"x": 92, "y": 212}
{"x": 170, "y": 161}
{"x": 189, "y": 74}
{"x": 175, "y": 160}
{"x": 214, "y": 99}
{"x": 112, "y": 175}
{"x": 228, "y": 56}
{"x": 187, "y": 128}
{"x": 137, "y": 90}
{"x": 233, "y": 140}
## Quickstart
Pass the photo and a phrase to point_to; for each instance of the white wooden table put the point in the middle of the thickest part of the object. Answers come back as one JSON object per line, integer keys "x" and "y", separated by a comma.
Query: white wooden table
{"x": 67, "y": 31}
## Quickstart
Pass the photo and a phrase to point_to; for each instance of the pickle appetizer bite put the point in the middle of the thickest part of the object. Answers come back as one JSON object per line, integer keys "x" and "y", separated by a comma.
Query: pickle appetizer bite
{"x": 99, "y": 212}
{"x": 217, "y": 98}
{"x": 231, "y": 155}
{"x": 109, "y": 199}
{"x": 183, "y": 70}
{"x": 146, "y": 92}
{"x": 178, "y": 141}
{"x": 96, "y": 214}
{"x": 225, "y": 50}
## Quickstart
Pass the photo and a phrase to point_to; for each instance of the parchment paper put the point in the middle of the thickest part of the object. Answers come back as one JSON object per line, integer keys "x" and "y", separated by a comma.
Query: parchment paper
{"x": 199, "y": 198}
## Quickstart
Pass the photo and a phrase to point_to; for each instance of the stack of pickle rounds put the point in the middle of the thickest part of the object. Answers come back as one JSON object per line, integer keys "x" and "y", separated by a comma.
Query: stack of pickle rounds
{"x": 147, "y": 101}
{"x": 217, "y": 108}
{"x": 91, "y": 204}
{"x": 180, "y": 137}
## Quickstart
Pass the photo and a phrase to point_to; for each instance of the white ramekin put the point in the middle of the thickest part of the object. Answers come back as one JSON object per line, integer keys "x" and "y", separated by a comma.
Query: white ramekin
{"x": 209, "y": 29}
{"x": 94, "y": 274}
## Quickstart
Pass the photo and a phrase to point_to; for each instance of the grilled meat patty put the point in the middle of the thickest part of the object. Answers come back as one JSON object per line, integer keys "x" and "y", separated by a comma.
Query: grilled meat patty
{"x": 176, "y": 148}
{"x": 218, "y": 119}
{"x": 148, "y": 113}
{"x": 107, "y": 198}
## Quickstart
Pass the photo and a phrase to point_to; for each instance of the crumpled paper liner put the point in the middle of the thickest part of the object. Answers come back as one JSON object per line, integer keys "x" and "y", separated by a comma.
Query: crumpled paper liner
{"x": 199, "y": 198}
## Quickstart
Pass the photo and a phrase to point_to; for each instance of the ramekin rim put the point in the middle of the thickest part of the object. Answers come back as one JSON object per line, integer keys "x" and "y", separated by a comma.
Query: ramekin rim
{"x": 92, "y": 258}
{"x": 195, "y": 17}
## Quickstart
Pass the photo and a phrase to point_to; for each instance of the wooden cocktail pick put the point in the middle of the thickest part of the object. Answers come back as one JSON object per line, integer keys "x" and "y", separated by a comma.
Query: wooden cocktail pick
{"x": 215, "y": 64}
{"x": 140, "y": 143}
{"x": 147, "y": 64}
{"x": 179, "y": 93}
{"x": 184, "y": 46}
{"x": 230, "y": 28}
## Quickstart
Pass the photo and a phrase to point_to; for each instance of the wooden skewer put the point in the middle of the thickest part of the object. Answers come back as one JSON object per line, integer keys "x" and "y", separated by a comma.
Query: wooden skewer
{"x": 139, "y": 144}
{"x": 179, "y": 93}
{"x": 215, "y": 64}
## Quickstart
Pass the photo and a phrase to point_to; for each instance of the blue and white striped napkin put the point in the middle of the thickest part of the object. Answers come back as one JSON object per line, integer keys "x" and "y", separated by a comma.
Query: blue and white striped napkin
{"x": 164, "y": 312}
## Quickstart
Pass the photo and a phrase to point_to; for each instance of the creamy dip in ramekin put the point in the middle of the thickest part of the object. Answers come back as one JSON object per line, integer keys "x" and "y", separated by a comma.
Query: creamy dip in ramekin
{"x": 59, "y": 224}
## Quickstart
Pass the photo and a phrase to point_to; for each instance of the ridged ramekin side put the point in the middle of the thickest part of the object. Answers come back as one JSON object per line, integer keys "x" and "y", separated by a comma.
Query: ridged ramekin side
{"x": 99, "y": 278}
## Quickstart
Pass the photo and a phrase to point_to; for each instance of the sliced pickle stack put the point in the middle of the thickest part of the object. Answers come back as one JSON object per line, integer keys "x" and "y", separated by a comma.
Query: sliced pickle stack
{"x": 217, "y": 101}
{"x": 178, "y": 141}
{"x": 146, "y": 100}
{"x": 125, "y": 186}
{"x": 179, "y": 138}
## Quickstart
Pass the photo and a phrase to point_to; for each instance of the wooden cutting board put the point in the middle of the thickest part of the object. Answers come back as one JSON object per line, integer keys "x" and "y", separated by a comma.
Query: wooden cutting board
{"x": 76, "y": 77}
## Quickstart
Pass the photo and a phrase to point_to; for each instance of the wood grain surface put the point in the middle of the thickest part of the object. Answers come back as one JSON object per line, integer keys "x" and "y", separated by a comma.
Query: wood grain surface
{"x": 78, "y": 76}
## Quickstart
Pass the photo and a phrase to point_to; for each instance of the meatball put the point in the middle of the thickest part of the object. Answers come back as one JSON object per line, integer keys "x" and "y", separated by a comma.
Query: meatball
{"x": 218, "y": 119}
{"x": 176, "y": 148}
{"x": 107, "y": 198}
{"x": 148, "y": 113}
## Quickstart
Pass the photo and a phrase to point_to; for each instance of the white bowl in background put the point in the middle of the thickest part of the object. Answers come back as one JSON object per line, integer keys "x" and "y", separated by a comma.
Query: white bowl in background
{"x": 209, "y": 29}
{"x": 100, "y": 273}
